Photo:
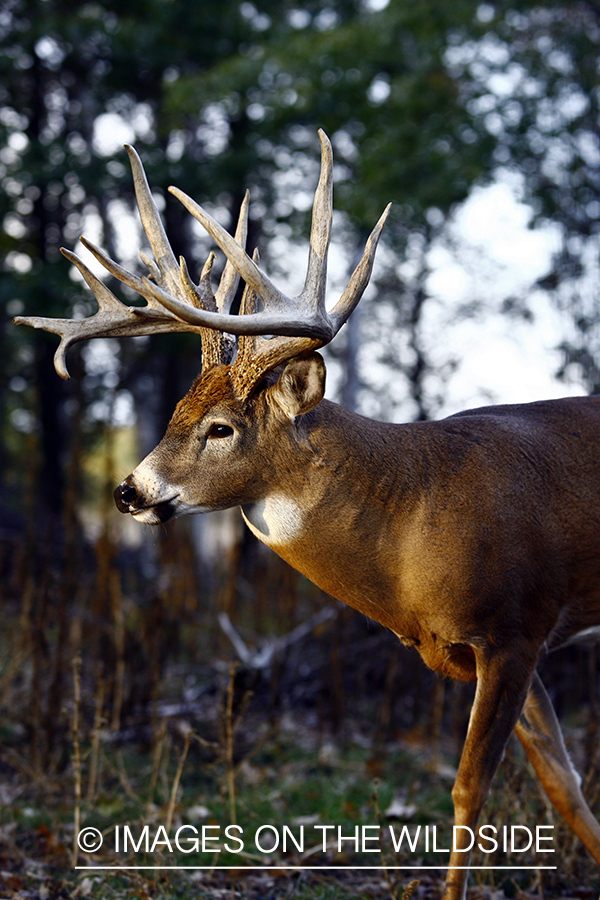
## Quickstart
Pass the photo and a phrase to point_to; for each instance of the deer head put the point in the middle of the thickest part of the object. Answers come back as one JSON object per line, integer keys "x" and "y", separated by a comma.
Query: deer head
{"x": 269, "y": 379}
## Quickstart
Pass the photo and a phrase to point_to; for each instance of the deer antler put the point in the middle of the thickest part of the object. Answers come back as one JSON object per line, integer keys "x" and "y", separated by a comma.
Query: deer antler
{"x": 115, "y": 319}
{"x": 174, "y": 303}
{"x": 301, "y": 316}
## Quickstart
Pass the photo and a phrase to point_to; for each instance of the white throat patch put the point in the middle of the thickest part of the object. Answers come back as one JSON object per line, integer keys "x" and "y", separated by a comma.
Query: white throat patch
{"x": 276, "y": 520}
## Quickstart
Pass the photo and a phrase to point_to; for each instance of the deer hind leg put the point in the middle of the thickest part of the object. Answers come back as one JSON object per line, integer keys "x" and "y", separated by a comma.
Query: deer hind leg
{"x": 541, "y": 738}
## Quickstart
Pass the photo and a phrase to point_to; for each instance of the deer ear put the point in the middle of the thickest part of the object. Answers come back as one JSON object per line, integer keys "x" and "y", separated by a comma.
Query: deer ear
{"x": 300, "y": 386}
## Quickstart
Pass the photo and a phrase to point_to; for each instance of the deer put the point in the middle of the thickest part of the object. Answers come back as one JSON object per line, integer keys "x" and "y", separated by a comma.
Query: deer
{"x": 474, "y": 539}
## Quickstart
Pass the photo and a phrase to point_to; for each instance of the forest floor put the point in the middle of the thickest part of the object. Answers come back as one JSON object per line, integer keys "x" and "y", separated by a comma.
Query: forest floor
{"x": 219, "y": 790}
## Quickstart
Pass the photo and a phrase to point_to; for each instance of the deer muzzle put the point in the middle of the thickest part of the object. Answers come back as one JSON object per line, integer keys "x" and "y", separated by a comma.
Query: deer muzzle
{"x": 144, "y": 508}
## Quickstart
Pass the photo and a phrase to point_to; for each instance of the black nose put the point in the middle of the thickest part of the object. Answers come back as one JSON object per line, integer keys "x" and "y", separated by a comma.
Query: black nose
{"x": 125, "y": 494}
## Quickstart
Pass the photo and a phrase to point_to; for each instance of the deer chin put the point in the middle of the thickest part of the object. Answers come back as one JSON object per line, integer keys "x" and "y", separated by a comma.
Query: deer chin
{"x": 173, "y": 508}
{"x": 156, "y": 515}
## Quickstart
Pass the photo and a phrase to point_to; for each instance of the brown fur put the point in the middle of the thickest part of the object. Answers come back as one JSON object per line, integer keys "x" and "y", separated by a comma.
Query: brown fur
{"x": 213, "y": 386}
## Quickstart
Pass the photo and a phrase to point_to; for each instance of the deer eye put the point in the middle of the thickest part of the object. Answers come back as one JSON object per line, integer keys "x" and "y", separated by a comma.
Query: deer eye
{"x": 220, "y": 431}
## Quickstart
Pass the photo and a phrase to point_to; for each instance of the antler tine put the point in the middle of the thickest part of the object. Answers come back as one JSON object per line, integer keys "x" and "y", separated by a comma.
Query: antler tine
{"x": 236, "y": 255}
{"x": 120, "y": 272}
{"x": 153, "y": 226}
{"x": 315, "y": 283}
{"x": 164, "y": 269}
{"x": 360, "y": 277}
{"x": 313, "y": 293}
{"x": 219, "y": 346}
{"x": 230, "y": 278}
{"x": 172, "y": 274}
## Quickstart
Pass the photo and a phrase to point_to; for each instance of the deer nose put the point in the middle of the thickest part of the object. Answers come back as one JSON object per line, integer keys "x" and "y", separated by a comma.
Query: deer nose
{"x": 125, "y": 494}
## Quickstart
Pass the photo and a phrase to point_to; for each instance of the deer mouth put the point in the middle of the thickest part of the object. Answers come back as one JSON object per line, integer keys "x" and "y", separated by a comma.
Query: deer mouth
{"x": 156, "y": 514}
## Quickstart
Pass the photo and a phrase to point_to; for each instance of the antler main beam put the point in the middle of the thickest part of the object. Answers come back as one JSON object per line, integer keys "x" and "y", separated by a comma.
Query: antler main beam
{"x": 175, "y": 303}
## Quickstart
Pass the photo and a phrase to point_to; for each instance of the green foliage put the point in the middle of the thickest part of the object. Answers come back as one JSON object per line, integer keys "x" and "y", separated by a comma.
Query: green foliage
{"x": 376, "y": 82}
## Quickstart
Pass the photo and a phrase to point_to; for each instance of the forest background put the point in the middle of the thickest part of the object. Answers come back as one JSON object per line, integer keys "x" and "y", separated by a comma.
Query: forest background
{"x": 441, "y": 108}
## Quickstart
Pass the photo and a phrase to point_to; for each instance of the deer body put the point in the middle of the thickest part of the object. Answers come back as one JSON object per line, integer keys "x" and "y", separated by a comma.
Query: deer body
{"x": 475, "y": 539}
{"x": 455, "y": 535}
{"x": 428, "y": 528}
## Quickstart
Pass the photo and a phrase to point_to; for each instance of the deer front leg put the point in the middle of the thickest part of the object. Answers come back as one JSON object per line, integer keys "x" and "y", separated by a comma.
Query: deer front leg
{"x": 540, "y": 735}
{"x": 502, "y": 684}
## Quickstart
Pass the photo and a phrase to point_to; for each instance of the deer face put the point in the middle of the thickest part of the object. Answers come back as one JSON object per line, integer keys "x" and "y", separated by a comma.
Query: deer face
{"x": 220, "y": 451}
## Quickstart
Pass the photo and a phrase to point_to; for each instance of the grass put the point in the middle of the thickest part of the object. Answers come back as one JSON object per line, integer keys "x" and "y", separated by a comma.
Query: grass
{"x": 295, "y": 776}
{"x": 285, "y": 782}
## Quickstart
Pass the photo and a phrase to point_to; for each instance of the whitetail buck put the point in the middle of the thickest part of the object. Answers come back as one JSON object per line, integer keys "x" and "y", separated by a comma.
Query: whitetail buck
{"x": 475, "y": 539}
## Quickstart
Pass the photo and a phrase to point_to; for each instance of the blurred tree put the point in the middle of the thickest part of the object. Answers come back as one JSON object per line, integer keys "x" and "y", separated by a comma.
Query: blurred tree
{"x": 531, "y": 83}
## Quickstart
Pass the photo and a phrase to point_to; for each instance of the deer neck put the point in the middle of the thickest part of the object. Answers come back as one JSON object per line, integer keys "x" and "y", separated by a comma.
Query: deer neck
{"x": 330, "y": 508}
